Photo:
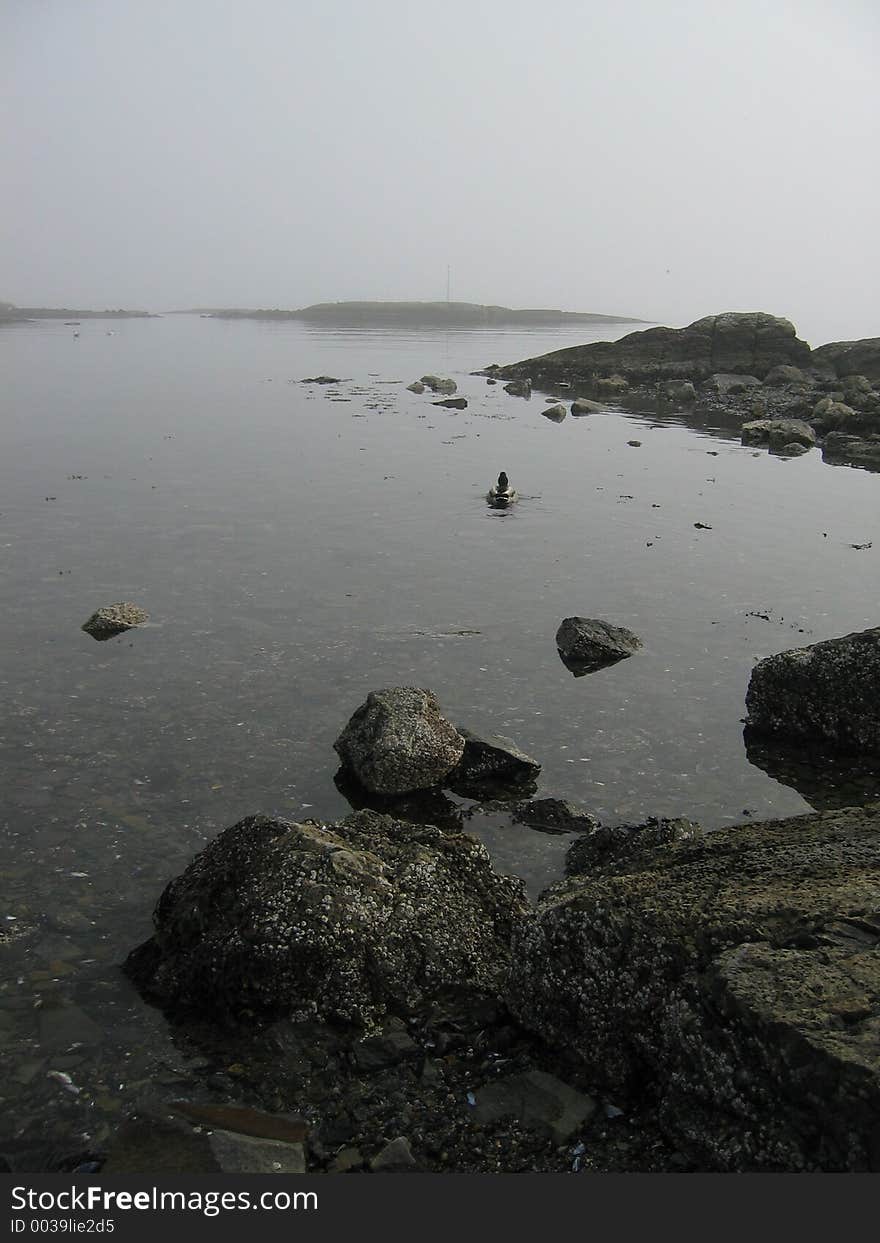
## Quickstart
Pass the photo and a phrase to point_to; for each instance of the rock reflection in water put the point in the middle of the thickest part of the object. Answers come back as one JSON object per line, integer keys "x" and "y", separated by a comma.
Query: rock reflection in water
{"x": 827, "y": 780}
{"x": 418, "y": 806}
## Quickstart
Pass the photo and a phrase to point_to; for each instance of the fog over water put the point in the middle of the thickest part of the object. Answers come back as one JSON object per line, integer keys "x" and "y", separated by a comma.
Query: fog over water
{"x": 658, "y": 160}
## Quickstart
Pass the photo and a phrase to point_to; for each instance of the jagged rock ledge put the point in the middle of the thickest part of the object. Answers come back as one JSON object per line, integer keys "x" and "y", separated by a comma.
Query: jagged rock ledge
{"x": 722, "y": 990}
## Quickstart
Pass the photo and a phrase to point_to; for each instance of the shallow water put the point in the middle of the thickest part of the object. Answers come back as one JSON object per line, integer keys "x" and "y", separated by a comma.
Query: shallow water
{"x": 297, "y": 546}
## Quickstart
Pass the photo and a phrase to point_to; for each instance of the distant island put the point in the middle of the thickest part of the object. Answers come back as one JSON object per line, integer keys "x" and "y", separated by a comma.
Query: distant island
{"x": 418, "y": 314}
{"x": 10, "y": 313}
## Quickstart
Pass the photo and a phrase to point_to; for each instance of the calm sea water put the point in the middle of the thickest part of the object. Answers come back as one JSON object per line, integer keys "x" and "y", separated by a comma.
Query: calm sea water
{"x": 297, "y": 546}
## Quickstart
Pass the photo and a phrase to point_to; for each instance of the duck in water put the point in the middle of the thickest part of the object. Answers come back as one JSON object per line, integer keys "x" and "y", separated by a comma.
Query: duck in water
{"x": 501, "y": 494}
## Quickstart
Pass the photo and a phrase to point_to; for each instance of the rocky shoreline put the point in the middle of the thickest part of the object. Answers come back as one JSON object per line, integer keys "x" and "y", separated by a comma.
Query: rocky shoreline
{"x": 750, "y": 367}
{"x": 682, "y": 1000}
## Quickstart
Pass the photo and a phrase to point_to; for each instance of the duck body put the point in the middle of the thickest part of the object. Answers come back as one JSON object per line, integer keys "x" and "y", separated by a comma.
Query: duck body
{"x": 501, "y": 494}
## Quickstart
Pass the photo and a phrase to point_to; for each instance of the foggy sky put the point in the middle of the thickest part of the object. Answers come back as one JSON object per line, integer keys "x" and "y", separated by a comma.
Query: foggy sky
{"x": 651, "y": 158}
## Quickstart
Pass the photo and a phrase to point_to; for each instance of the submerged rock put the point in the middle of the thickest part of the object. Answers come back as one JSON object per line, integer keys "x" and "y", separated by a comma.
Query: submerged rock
{"x": 555, "y": 815}
{"x": 397, "y": 741}
{"x": 535, "y": 1099}
{"x": 347, "y": 922}
{"x": 416, "y": 387}
{"x": 586, "y": 644}
{"x": 452, "y": 403}
{"x": 829, "y": 691}
{"x": 734, "y": 980}
{"x": 490, "y": 764}
{"x": 519, "y": 388}
{"x": 114, "y": 619}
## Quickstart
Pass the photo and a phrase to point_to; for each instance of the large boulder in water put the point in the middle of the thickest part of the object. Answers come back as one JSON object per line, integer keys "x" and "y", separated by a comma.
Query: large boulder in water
{"x": 344, "y": 922}
{"x": 398, "y": 740}
{"x": 747, "y": 343}
{"x": 829, "y": 691}
{"x": 732, "y": 980}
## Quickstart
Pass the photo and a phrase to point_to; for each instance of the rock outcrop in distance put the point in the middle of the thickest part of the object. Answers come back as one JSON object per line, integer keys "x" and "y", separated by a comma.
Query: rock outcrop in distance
{"x": 750, "y": 366}
{"x": 424, "y": 314}
{"x": 10, "y": 313}
{"x": 739, "y": 343}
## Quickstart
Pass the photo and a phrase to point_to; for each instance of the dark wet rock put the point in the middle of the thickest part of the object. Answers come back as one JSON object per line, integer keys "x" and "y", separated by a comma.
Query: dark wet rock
{"x": 727, "y": 384}
{"x": 556, "y": 412}
{"x": 321, "y": 379}
{"x": 155, "y": 1146}
{"x": 554, "y": 815}
{"x": 679, "y": 390}
{"x": 396, "y": 1157}
{"x": 389, "y": 1047}
{"x": 158, "y": 1145}
{"x": 418, "y": 806}
{"x": 634, "y": 444}
{"x": 735, "y": 980}
{"x": 348, "y": 923}
{"x": 535, "y": 1099}
{"x": 829, "y": 691}
{"x": 490, "y": 765}
{"x": 792, "y": 450}
{"x": 613, "y": 847}
{"x": 416, "y": 387}
{"x": 113, "y": 619}
{"x": 398, "y": 740}
{"x": 583, "y": 405}
{"x": 778, "y": 432}
{"x": 586, "y": 644}
{"x": 849, "y": 450}
{"x": 519, "y": 388}
{"x": 749, "y": 343}
{"x": 851, "y": 357}
{"x": 452, "y": 403}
